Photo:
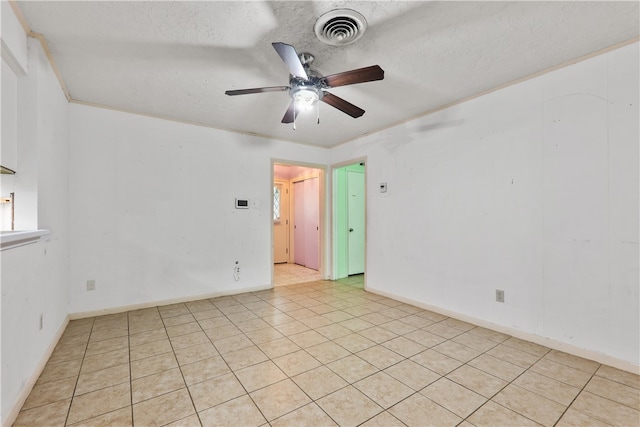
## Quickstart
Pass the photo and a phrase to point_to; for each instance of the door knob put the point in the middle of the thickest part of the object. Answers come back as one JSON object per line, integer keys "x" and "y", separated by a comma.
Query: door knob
{"x": 350, "y": 230}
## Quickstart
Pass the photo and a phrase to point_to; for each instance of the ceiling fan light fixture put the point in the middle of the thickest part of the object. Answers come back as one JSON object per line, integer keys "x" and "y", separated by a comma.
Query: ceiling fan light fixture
{"x": 340, "y": 27}
{"x": 305, "y": 98}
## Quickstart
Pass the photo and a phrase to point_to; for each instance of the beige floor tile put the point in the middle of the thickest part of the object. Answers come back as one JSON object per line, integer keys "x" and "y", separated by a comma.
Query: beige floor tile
{"x": 547, "y": 387}
{"x": 218, "y": 322}
{"x": 378, "y": 334}
{"x": 260, "y": 375}
{"x": 217, "y": 390}
{"x": 154, "y": 364}
{"x": 338, "y": 316}
{"x": 302, "y": 313}
{"x": 436, "y": 361}
{"x": 278, "y": 347}
{"x": 477, "y": 380}
{"x": 333, "y": 331}
{"x": 309, "y": 415}
{"x": 178, "y": 320}
{"x": 327, "y": 352}
{"x": 187, "y": 340}
{"x": 404, "y": 346}
{"x": 120, "y": 417}
{"x": 146, "y": 326}
{"x": 296, "y": 363}
{"x": 557, "y": 371}
{"x": 573, "y": 361}
{"x": 526, "y": 346}
{"x": 496, "y": 367}
{"x": 474, "y": 341}
{"x": 232, "y": 343}
{"x": 605, "y": 410}
{"x": 252, "y": 325}
{"x": 150, "y": 349}
{"x": 99, "y": 347}
{"x": 383, "y": 419}
{"x": 67, "y": 340}
{"x": 154, "y": 385}
{"x": 376, "y": 318}
{"x": 354, "y": 342}
{"x": 66, "y": 353}
{"x": 307, "y": 339}
{"x": 207, "y": 314}
{"x": 99, "y": 402}
{"x": 103, "y": 378}
{"x": 531, "y": 405}
{"x": 203, "y": 370}
{"x": 457, "y": 351}
{"x": 105, "y": 334}
{"x": 513, "y": 355}
{"x": 622, "y": 377}
{"x": 380, "y": 357}
{"x": 319, "y": 382}
{"x": 190, "y": 421}
{"x": 51, "y": 415}
{"x": 457, "y": 399}
{"x": 458, "y": 324}
{"x": 352, "y": 368}
{"x": 491, "y": 415}
{"x": 146, "y": 337}
{"x": 239, "y": 317}
{"x": 316, "y": 321}
{"x": 264, "y": 335}
{"x": 173, "y": 310}
{"x": 183, "y": 329}
{"x": 443, "y": 330}
{"x": 228, "y": 414}
{"x": 417, "y": 410}
{"x": 383, "y": 389}
{"x": 349, "y": 407}
{"x": 490, "y": 335}
{"x": 60, "y": 371}
{"x": 424, "y": 338}
{"x": 50, "y": 392}
{"x": 412, "y": 374}
{"x": 194, "y": 353}
{"x": 200, "y": 305}
{"x": 398, "y": 327}
{"x": 279, "y": 399}
{"x": 573, "y": 418}
{"x": 356, "y": 324}
{"x": 417, "y": 321}
{"x": 163, "y": 409}
{"x": 244, "y": 357}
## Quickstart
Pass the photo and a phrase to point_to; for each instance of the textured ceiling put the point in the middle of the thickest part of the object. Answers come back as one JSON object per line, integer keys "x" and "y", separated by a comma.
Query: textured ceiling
{"x": 176, "y": 59}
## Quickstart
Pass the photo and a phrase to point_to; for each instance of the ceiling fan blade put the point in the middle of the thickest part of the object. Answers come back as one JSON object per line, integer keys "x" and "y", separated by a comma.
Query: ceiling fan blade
{"x": 342, "y": 105}
{"x": 291, "y": 113}
{"x": 289, "y": 56}
{"x": 361, "y": 75}
{"x": 257, "y": 90}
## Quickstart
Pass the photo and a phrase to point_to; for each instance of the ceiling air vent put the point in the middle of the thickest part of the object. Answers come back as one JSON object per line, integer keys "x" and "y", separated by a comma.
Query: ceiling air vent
{"x": 340, "y": 27}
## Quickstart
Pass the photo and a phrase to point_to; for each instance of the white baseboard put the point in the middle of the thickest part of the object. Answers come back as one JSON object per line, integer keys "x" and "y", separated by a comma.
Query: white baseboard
{"x": 26, "y": 390}
{"x": 122, "y": 309}
{"x": 605, "y": 359}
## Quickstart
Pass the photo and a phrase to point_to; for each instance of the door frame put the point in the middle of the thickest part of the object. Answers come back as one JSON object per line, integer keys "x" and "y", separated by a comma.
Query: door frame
{"x": 334, "y": 207}
{"x": 323, "y": 178}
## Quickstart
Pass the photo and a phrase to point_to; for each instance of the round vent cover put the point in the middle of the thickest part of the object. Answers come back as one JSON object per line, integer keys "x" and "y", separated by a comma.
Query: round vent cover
{"x": 340, "y": 27}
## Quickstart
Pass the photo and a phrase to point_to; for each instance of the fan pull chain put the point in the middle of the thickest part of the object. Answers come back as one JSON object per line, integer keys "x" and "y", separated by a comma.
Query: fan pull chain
{"x": 318, "y": 110}
{"x": 294, "y": 116}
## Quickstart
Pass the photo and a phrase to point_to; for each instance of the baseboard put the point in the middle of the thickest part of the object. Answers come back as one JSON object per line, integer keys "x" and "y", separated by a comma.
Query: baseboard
{"x": 605, "y": 359}
{"x": 123, "y": 309}
{"x": 26, "y": 390}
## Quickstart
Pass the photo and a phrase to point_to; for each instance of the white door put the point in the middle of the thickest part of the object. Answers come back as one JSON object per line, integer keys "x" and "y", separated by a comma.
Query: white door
{"x": 298, "y": 223}
{"x": 312, "y": 223}
{"x": 356, "y": 221}
{"x": 280, "y": 222}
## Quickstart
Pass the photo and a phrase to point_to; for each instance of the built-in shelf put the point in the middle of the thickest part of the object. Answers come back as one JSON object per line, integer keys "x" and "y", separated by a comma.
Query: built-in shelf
{"x": 6, "y": 171}
{"x": 14, "y": 238}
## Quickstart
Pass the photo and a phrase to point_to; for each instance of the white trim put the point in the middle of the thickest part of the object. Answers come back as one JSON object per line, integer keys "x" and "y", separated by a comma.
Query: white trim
{"x": 122, "y": 309}
{"x": 10, "y": 239}
{"x": 602, "y": 358}
{"x": 31, "y": 382}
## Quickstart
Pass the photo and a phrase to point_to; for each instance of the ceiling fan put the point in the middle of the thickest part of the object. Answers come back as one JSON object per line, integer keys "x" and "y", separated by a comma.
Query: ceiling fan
{"x": 306, "y": 86}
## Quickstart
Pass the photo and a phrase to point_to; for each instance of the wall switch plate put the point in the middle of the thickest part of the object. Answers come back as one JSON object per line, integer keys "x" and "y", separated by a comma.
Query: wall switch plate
{"x": 383, "y": 187}
{"x": 499, "y": 295}
{"x": 91, "y": 285}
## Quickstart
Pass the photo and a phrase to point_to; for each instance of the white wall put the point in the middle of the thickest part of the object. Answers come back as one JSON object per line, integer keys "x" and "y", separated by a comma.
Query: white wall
{"x": 34, "y": 278}
{"x": 152, "y": 208}
{"x": 532, "y": 189}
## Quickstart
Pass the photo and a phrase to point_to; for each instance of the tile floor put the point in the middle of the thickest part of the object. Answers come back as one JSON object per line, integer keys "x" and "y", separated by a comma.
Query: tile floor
{"x": 289, "y": 274}
{"x": 316, "y": 354}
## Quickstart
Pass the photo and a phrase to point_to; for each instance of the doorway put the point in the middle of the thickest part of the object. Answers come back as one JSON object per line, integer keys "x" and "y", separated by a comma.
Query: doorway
{"x": 350, "y": 221}
{"x": 298, "y": 194}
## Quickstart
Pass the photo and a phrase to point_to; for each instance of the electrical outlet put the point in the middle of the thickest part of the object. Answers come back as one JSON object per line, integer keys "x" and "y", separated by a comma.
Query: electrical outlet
{"x": 91, "y": 285}
{"x": 499, "y": 295}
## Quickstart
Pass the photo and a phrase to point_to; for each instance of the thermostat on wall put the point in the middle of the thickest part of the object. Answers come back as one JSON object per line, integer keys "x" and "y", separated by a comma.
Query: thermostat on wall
{"x": 242, "y": 204}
